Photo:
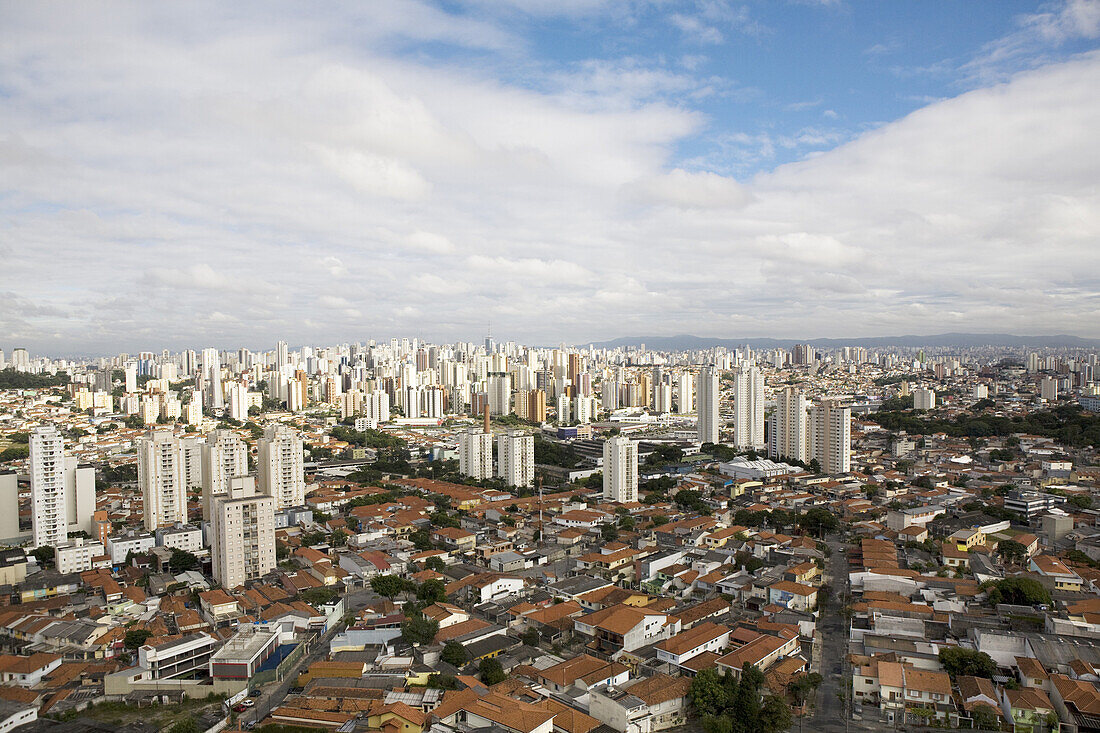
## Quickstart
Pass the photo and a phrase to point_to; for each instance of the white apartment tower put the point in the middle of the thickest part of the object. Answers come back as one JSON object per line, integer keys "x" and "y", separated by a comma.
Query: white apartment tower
{"x": 475, "y": 454}
{"x": 748, "y": 407}
{"x": 831, "y": 436}
{"x": 47, "y": 469}
{"x": 620, "y": 470}
{"x": 224, "y": 456}
{"x": 160, "y": 477}
{"x": 707, "y": 393}
{"x": 242, "y": 534}
{"x": 212, "y": 379}
{"x": 280, "y": 467}
{"x": 684, "y": 394}
{"x": 924, "y": 399}
{"x": 516, "y": 459}
{"x": 789, "y": 433}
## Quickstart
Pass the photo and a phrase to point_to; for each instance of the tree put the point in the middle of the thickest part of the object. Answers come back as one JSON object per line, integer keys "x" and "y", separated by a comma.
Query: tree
{"x": 185, "y": 725}
{"x": 339, "y": 538}
{"x": 44, "y": 555}
{"x": 421, "y": 540}
{"x": 967, "y": 662}
{"x": 432, "y": 591}
{"x": 491, "y": 672}
{"x": 707, "y": 694}
{"x": 818, "y": 521}
{"x": 1081, "y": 501}
{"x": 182, "y": 560}
{"x": 442, "y": 682}
{"x": 435, "y": 562}
{"x": 804, "y": 686}
{"x": 609, "y": 533}
{"x": 389, "y": 586}
{"x": 985, "y": 718}
{"x": 1011, "y": 551}
{"x": 746, "y": 705}
{"x": 531, "y": 637}
{"x": 454, "y": 654}
{"x": 775, "y": 715}
{"x": 1017, "y": 591}
{"x": 135, "y": 638}
{"x": 419, "y": 629}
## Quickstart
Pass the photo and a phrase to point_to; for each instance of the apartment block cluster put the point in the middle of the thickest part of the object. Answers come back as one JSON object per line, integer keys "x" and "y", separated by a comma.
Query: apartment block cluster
{"x": 456, "y": 537}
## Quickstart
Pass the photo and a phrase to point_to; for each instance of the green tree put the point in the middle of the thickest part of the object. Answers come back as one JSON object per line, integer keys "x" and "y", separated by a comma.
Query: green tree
{"x": 181, "y": 560}
{"x": 819, "y": 521}
{"x": 389, "y": 586}
{"x": 746, "y": 705}
{"x": 135, "y": 638}
{"x": 44, "y": 555}
{"x": 435, "y": 562}
{"x": 1011, "y": 551}
{"x": 531, "y": 637}
{"x": 419, "y": 629}
{"x": 985, "y": 718}
{"x": 967, "y": 662}
{"x": 775, "y": 715}
{"x": 708, "y": 695}
{"x": 454, "y": 654}
{"x": 442, "y": 682}
{"x": 185, "y": 725}
{"x": 432, "y": 591}
{"x": 1017, "y": 591}
{"x": 1081, "y": 501}
{"x": 609, "y": 533}
{"x": 491, "y": 672}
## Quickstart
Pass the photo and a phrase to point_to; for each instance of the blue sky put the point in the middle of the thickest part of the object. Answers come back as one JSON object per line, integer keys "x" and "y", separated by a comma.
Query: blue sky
{"x": 211, "y": 174}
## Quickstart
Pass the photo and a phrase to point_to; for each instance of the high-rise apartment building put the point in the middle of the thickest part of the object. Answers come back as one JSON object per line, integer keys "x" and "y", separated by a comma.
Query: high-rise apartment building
{"x": 212, "y": 379}
{"x": 242, "y": 533}
{"x": 224, "y": 456}
{"x": 831, "y": 436}
{"x": 685, "y": 387}
{"x": 924, "y": 399}
{"x": 1048, "y": 389}
{"x": 789, "y": 426}
{"x": 280, "y": 467}
{"x": 475, "y": 454}
{"x": 160, "y": 478}
{"x": 516, "y": 459}
{"x": 707, "y": 394}
{"x": 620, "y": 470}
{"x": 748, "y": 407}
{"x": 500, "y": 394}
{"x": 49, "y": 523}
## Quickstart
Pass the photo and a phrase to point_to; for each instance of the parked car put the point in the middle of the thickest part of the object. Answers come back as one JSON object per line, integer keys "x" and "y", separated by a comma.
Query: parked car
{"x": 254, "y": 693}
{"x": 239, "y": 708}
{"x": 248, "y": 702}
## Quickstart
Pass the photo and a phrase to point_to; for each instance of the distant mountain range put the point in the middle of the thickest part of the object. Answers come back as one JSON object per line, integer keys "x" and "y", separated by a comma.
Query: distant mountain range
{"x": 943, "y": 340}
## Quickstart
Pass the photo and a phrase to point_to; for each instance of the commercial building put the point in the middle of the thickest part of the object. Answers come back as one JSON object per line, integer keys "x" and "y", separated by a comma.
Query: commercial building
{"x": 180, "y": 657}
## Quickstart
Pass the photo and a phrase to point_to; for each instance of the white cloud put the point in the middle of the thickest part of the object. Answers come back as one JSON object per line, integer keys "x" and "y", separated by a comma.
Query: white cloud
{"x": 216, "y": 192}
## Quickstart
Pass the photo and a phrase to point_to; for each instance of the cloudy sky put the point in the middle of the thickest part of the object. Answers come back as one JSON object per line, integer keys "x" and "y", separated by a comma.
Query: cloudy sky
{"x": 229, "y": 174}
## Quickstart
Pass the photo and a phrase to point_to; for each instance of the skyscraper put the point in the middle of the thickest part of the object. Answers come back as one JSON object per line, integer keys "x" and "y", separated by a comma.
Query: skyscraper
{"x": 224, "y": 456}
{"x": 685, "y": 402}
{"x": 242, "y": 533}
{"x": 516, "y": 459}
{"x": 49, "y": 525}
{"x": 788, "y": 436}
{"x": 280, "y": 467}
{"x": 748, "y": 407}
{"x": 620, "y": 470}
{"x": 160, "y": 477}
{"x": 475, "y": 454}
{"x": 831, "y": 436}
{"x": 212, "y": 379}
{"x": 707, "y": 393}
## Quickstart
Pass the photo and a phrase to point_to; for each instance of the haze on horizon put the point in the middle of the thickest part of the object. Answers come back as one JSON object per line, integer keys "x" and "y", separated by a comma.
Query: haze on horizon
{"x": 203, "y": 174}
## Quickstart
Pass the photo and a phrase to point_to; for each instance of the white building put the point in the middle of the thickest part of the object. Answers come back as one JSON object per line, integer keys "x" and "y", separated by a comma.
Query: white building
{"x": 138, "y": 542}
{"x": 224, "y": 455}
{"x": 212, "y": 379}
{"x": 242, "y": 531}
{"x": 49, "y": 518}
{"x": 924, "y": 399}
{"x": 620, "y": 470}
{"x": 981, "y": 391}
{"x": 500, "y": 394}
{"x": 184, "y": 537}
{"x": 685, "y": 399}
{"x": 280, "y": 467}
{"x": 76, "y": 556}
{"x": 1048, "y": 389}
{"x": 662, "y": 397}
{"x": 565, "y": 411}
{"x": 789, "y": 434}
{"x": 160, "y": 478}
{"x": 584, "y": 409}
{"x": 475, "y": 454}
{"x": 831, "y": 436}
{"x": 748, "y": 407}
{"x": 516, "y": 459}
{"x": 707, "y": 393}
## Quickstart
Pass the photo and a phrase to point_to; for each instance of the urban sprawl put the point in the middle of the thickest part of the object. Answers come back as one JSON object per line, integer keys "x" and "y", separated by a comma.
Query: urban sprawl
{"x": 403, "y": 537}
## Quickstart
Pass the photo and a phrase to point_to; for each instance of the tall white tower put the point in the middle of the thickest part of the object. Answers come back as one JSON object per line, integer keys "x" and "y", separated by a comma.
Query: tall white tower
{"x": 620, "y": 470}
{"x": 831, "y": 436}
{"x": 516, "y": 459}
{"x": 685, "y": 401}
{"x": 47, "y": 470}
{"x": 160, "y": 477}
{"x": 242, "y": 533}
{"x": 475, "y": 454}
{"x": 224, "y": 456}
{"x": 280, "y": 467}
{"x": 748, "y": 407}
{"x": 707, "y": 393}
{"x": 789, "y": 429}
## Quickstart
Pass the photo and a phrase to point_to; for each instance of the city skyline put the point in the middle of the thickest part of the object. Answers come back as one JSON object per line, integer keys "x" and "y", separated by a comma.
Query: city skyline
{"x": 204, "y": 174}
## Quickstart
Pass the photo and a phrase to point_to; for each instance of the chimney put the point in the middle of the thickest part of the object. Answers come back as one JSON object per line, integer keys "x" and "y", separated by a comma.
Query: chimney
{"x": 487, "y": 430}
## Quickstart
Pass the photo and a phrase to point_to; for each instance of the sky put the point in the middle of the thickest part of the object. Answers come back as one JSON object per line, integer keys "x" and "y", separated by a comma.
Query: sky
{"x": 183, "y": 175}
